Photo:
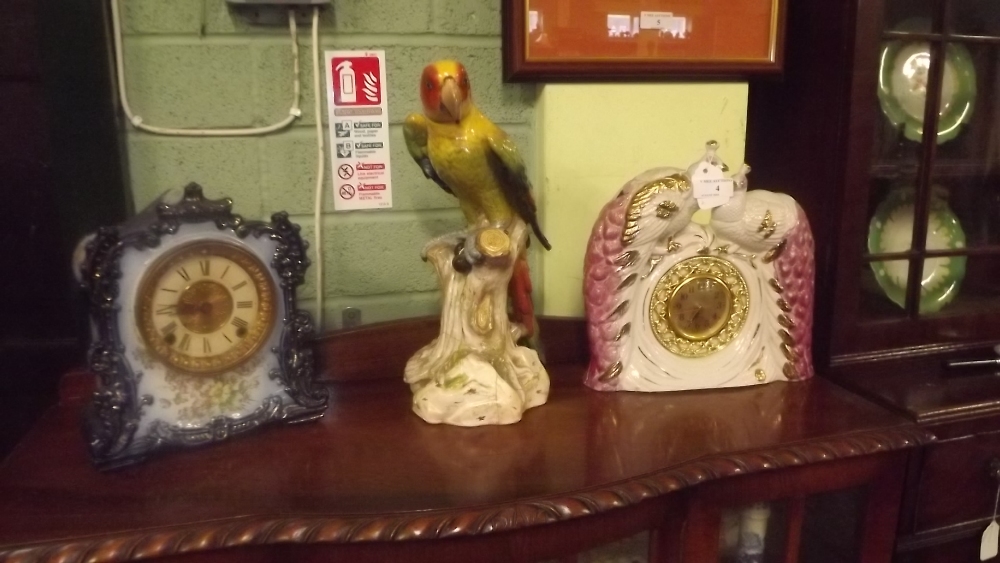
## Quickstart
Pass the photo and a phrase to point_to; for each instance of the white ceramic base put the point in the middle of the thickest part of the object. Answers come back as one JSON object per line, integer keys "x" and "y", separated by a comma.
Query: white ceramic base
{"x": 474, "y": 373}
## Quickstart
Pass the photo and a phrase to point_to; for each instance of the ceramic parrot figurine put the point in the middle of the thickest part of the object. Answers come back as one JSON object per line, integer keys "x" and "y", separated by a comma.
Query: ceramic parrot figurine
{"x": 470, "y": 157}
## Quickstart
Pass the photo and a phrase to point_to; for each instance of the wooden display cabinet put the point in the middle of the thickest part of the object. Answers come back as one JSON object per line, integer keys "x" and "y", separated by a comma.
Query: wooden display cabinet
{"x": 826, "y": 134}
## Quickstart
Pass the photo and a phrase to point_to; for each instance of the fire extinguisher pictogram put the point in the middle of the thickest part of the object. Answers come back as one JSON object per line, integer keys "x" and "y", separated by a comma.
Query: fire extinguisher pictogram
{"x": 348, "y": 86}
{"x": 357, "y": 81}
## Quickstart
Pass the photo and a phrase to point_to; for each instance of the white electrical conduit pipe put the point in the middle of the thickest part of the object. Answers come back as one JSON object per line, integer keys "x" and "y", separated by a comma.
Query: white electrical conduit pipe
{"x": 320, "y": 169}
{"x": 293, "y": 113}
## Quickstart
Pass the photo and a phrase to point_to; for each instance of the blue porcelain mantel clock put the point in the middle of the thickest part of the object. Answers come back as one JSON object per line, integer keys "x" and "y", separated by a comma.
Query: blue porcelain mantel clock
{"x": 196, "y": 334}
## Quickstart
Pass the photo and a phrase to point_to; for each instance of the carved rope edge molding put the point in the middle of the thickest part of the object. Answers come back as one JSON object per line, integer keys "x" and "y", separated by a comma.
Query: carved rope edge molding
{"x": 457, "y": 523}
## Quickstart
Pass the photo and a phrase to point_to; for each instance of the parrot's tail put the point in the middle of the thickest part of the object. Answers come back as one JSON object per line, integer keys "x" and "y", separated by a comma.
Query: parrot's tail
{"x": 538, "y": 233}
{"x": 522, "y": 309}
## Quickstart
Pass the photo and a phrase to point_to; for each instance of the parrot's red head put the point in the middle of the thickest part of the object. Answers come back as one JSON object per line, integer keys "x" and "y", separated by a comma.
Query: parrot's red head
{"x": 445, "y": 92}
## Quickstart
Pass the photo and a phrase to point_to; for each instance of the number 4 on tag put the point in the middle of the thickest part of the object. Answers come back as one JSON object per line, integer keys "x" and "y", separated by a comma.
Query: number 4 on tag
{"x": 711, "y": 188}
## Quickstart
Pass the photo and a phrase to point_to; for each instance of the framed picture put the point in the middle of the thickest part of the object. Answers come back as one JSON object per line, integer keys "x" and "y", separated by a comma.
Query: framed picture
{"x": 604, "y": 40}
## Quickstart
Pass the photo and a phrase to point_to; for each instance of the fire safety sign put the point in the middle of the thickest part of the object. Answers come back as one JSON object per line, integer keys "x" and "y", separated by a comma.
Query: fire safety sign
{"x": 357, "y": 111}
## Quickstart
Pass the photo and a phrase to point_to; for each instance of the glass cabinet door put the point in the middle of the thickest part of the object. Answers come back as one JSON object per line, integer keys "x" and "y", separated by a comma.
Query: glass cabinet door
{"x": 820, "y": 528}
{"x": 932, "y": 247}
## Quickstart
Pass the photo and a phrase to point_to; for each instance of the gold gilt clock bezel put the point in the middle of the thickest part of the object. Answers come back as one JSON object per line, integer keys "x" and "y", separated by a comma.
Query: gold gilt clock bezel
{"x": 257, "y": 332}
{"x": 697, "y": 346}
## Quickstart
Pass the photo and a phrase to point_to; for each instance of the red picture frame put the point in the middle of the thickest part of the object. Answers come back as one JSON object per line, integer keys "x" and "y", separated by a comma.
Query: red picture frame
{"x": 613, "y": 40}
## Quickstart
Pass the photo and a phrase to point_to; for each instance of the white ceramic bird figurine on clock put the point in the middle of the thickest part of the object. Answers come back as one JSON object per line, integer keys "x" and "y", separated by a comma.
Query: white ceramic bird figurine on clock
{"x": 674, "y": 304}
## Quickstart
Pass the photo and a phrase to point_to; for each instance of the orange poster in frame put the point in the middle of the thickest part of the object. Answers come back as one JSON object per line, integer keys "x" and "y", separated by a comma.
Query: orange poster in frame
{"x": 595, "y": 40}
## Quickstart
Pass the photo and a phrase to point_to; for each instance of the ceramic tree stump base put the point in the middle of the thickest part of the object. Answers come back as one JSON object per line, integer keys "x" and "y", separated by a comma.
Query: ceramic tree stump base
{"x": 474, "y": 373}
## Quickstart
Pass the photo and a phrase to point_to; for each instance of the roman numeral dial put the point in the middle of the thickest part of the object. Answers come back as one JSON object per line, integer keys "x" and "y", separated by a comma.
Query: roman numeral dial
{"x": 205, "y": 307}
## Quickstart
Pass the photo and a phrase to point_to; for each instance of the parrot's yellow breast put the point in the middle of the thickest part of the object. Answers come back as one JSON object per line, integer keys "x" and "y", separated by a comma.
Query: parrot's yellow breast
{"x": 459, "y": 153}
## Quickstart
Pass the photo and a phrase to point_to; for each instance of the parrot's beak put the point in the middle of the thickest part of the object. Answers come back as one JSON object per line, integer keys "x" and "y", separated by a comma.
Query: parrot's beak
{"x": 451, "y": 99}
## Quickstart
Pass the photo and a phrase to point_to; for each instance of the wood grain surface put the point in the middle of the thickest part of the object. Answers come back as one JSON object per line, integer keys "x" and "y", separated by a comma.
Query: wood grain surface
{"x": 371, "y": 471}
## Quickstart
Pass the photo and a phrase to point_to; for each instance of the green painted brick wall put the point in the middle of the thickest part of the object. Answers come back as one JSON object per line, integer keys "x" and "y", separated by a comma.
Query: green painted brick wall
{"x": 196, "y": 63}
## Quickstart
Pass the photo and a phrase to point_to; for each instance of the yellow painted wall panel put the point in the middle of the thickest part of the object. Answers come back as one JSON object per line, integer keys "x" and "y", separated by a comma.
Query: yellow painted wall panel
{"x": 593, "y": 138}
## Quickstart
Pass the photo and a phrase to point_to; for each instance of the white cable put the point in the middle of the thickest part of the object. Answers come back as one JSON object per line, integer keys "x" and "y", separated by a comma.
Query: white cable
{"x": 320, "y": 168}
{"x": 137, "y": 122}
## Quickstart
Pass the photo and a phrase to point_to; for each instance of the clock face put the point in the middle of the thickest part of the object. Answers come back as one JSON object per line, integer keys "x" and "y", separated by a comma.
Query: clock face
{"x": 698, "y": 306}
{"x": 205, "y": 307}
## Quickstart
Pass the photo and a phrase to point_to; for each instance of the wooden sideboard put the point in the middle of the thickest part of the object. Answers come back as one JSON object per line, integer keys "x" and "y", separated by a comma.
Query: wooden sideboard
{"x": 372, "y": 482}
{"x": 951, "y": 484}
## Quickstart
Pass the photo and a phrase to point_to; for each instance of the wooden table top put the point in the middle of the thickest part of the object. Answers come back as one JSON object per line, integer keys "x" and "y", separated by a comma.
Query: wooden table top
{"x": 372, "y": 470}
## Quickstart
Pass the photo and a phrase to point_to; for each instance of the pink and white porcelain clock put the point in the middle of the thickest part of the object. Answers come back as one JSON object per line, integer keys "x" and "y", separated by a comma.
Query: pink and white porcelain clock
{"x": 674, "y": 303}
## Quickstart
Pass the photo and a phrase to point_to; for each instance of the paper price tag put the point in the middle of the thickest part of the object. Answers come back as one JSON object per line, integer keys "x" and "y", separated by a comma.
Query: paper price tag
{"x": 713, "y": 193}
{"x": 667, "y": 22}
{"x": 991, "y": 535}
{"x": 710, "y": 187}
{"x": 988, "y": 547}
{"x": 655, "y": 20}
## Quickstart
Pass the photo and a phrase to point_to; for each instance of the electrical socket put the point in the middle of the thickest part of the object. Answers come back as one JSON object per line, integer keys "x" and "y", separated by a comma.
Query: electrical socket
{"x": 274, "y": 12}
{"x": 350, "y": 317}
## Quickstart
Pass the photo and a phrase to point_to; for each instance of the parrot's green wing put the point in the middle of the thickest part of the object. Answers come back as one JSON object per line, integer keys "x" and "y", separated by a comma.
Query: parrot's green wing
{"x": 415, "y": 134}
{"x": 509, "y": 168}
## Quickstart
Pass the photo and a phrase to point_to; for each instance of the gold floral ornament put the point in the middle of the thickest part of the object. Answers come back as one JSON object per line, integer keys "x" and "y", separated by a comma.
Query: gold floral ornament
{"x": 674, "y": 183}
{"x": 767, "y": 225}
{"x": 666, "y": 209}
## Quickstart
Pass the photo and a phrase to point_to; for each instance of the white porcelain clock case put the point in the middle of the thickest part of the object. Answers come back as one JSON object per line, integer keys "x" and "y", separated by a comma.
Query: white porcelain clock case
{"x": 158, "y": 380}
